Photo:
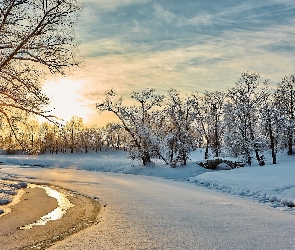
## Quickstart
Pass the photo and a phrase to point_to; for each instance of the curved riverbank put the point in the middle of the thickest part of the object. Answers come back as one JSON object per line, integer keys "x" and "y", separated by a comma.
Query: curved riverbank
{"x": 141, "y": 212}
{"x": 36, "y": 203}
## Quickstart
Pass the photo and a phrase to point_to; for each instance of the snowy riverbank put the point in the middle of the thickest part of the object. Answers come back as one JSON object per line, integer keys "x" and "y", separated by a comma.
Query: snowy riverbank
{"x": 156, "y": 212}
{"x": 271, "y": 183}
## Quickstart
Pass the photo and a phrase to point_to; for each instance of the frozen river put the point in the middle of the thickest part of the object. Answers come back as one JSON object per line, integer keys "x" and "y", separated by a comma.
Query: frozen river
{"x": 141, "y": 212}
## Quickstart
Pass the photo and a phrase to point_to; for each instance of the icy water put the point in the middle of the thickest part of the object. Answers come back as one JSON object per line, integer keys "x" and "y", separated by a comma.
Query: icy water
{"x": 63, "y": 205}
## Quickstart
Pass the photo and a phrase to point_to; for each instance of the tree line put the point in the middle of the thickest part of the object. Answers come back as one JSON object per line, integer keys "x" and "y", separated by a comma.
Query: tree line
{"x": 242, "y": 122}
{"x": 33, "y": 137}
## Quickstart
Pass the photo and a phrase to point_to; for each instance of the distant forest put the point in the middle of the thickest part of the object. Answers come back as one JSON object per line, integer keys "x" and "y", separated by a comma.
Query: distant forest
{"x": 241, "y": 122}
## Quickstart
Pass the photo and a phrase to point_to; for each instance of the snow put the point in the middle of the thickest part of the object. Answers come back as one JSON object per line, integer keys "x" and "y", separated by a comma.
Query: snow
{"x": 8, "y": 190}
{"x": 223, "y": 166}
{"x": 106, "y": 161}
{"x": 270, "y": 183}
{"x": 63, "y": 205}
{"x": 157, "y": 207}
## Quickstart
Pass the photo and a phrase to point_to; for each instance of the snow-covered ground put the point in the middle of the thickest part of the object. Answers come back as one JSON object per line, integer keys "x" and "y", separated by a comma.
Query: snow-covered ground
{"x": 106, "y": 161}
{"x": 270, "y": 183}
{"x": 167, "y": 209}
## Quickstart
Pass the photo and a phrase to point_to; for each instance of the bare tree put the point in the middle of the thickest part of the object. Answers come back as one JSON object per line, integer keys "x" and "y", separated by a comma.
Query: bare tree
{"x": 36, "y": 36}
{"x": 74, "y": 128}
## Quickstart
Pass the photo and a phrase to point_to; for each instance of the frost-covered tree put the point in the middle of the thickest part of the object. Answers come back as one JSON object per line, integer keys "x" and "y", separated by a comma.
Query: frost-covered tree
{"x": 53, "y": 139}
{"x": 242, "y": 117}
{"x": 63, "y": 138}
{"x": 135, "y": 120}
{"x": 272, "y": 127}
{"x": 176, "y": 133}
{"x": 208, "y": 112}
{"x": 115, "y": 136}
{"x": 32, "y": 134}
{"x": 36, "y": 36}
{"x": 284, "y": 99}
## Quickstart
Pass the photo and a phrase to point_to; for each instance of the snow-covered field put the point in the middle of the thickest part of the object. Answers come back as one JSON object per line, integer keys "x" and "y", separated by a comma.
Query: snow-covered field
{"x": 270, "y": 183}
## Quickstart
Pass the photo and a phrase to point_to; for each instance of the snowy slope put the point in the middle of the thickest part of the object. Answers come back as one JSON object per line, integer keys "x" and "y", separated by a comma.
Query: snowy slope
{"x": 271, "y": 183}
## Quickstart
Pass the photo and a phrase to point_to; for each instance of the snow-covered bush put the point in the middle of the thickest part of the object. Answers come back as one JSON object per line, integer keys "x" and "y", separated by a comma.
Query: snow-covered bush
{"x": 219, "y": 163}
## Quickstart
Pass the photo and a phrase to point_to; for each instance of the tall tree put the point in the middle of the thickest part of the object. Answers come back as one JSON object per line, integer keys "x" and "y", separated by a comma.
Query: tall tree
{"x": 74, "y": 128}
{"x": 36, "y": 36}
{"x": 97, "y": 138}
{"x": 284, "y": 99}
{"x": 272, "y": 126}
{"x": 178, "y": 129}
{"x": 209, "y": 109}
{"x": 242, "y": 116}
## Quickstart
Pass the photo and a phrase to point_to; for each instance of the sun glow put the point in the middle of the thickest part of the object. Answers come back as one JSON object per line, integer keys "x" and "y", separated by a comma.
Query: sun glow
{"x": 66, "y": 99}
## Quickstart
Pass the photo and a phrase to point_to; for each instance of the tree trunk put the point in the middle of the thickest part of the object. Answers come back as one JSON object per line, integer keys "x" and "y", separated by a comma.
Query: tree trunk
{"x": 259, "y": 158}
{"x": 290, "y": 143}
{"x": 207, "y": 150}
{"x": 184, "y": 158}
{"x": 272, "y": 145}
{"x": 146, "y": 158}
{"x": 216, "y": 144}
{"x": 249, "y": 160}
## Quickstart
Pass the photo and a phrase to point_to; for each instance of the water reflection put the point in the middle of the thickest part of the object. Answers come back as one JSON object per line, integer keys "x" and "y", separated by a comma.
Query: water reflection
{"x": 63, "y": 205}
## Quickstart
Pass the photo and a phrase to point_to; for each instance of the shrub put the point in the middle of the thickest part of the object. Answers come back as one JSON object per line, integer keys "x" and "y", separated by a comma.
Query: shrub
{"x": 213, "y": 163}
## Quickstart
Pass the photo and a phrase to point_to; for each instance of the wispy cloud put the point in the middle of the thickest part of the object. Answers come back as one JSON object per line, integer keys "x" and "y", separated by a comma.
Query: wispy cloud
{"x": 102, "y": 47}
{"x": 163, "y": 14}
{"x": 198, "y": 65}
{"x": 106, "y": 5}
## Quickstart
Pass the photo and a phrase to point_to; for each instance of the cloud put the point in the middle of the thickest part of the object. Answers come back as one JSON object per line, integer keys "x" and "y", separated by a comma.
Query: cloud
{"x": 112, "y": 4}
{"x": 163, "y": 14}
{"x": 205, "y": 63}
{"x": 102, "y": 47}
{"x": 139, "y": 30}
{"x": 233, "y": 15}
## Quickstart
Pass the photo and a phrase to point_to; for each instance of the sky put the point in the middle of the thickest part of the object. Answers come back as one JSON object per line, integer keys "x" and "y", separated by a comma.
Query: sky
{"x": 188, "y": 45}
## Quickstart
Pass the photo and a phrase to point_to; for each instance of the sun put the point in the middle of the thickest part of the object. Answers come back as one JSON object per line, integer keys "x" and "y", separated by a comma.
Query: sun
{"x": 66, "y": 98}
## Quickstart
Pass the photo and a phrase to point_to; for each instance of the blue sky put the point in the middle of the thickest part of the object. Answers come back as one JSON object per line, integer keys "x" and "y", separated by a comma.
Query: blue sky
{"x": 188, "y": 45}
